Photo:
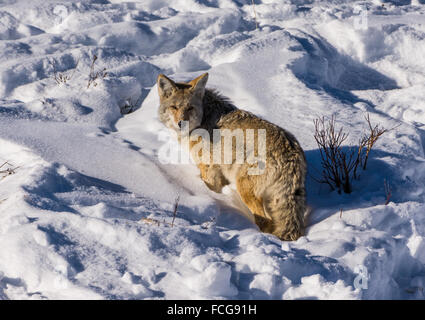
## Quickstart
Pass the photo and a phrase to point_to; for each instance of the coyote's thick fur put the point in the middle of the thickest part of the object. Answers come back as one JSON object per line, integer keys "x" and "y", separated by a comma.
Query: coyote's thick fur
{"x": 277, "y": 196}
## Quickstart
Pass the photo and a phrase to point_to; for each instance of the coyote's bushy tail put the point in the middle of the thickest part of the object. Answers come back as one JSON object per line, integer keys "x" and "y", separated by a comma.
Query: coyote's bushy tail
{"x": 286, "y": 203}
{"x": 288, "y": 217}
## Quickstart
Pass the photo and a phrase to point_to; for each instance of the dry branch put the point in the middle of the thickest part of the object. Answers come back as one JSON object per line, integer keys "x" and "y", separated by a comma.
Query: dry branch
{"x": 94, "y": 75}
{"x": 339, "y": 166}
{"x": 374, "y": 133}
{"x": 8, "y": 171}
{"x": 388, "y": 191}
{"x": 60, "y": 77}
{"x": 176, "y": 206}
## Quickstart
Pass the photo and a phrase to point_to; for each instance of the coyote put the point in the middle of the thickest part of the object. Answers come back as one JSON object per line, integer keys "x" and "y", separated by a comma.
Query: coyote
{"x": 276, "y": 197}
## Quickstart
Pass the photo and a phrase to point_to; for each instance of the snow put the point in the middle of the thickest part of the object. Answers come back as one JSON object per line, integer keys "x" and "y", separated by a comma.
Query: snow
{"x": 88, "y": 211}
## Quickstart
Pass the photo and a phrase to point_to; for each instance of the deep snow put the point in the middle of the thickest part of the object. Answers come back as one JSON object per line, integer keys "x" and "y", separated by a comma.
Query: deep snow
{"x": 79, "y": 216}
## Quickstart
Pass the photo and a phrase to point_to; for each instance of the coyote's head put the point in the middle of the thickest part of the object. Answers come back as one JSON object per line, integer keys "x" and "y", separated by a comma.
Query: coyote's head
{"x": 180, "y": 102}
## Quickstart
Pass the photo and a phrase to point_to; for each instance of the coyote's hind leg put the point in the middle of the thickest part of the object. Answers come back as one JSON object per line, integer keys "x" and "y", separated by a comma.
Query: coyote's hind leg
{"x": 245, "y": 188}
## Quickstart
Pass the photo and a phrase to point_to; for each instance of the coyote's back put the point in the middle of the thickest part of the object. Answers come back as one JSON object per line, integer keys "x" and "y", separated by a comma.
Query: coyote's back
{"x": 275, "y": 191}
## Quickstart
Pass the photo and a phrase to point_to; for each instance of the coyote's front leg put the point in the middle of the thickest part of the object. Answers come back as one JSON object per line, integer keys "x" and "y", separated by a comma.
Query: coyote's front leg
{"x": 213, "y": 177}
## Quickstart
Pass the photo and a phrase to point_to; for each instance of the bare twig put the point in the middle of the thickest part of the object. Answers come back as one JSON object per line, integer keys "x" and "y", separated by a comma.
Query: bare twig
{"x": 337, "y": 164}
{"x": 176, "y": 206}
{"x": 4, "y": 163}
{"x": 158, "y": 222}
{"x": 255, "y": 14}
{"x": 340, "y": 166}
{"x": 93, "y": 76}
{"x": 60, "y": 77}
{"x": 374, "y": 133}
{"x": 359, "y": 158}
{"x": 8, "y": 171}
{"x": 388, "y": 191}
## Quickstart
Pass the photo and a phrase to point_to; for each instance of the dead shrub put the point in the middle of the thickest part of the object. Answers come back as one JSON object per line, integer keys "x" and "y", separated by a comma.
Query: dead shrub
{"x": 340, "y": 165}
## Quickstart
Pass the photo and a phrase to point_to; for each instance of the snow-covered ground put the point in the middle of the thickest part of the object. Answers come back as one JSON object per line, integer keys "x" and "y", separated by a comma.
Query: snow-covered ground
{"x": 86, "y": 180}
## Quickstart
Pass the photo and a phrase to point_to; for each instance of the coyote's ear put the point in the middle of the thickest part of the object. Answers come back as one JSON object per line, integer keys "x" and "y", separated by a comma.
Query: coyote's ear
{"x": 166, "y": 86}
{"x": 198, "y": 84}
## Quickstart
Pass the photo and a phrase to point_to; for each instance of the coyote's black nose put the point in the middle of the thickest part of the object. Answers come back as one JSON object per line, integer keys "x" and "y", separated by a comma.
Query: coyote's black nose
{"x": 180, "y": 123}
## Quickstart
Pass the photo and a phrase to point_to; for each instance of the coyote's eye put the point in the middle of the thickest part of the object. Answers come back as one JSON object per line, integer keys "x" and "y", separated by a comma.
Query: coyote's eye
{"x": 173, "y": 107}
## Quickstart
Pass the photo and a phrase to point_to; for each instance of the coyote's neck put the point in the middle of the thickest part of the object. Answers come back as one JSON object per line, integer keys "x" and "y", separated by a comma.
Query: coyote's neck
{"x": 215, "y": 106}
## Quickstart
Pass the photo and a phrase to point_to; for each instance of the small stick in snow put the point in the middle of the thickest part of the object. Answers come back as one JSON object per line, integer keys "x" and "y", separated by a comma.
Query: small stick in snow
{"x": 387, "y": 191}
{"x": 255, "y": 15}
{"x": 340, "y": 214}
{"x": 60, "y": 77}
{"x": 93, "y": 76}
{"x": 374, "y": 133}
{"x": 8, "y": 171}
{"x": 176, "y": 205}
{"x": 7, "y": 162}
{"x": 157, "y": 222}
